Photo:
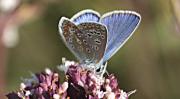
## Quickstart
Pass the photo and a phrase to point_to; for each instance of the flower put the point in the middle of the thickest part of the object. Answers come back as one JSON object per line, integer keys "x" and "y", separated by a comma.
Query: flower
{"x": 80, "y": 83}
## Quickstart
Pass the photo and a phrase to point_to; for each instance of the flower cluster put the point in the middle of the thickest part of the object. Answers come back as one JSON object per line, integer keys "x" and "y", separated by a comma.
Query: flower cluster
{"x": 45, "y": 85}
{"x": 80, "y": 83}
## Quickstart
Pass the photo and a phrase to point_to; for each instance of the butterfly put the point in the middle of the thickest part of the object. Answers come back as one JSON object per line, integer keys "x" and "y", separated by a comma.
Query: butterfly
{"x": 93, "y": 38}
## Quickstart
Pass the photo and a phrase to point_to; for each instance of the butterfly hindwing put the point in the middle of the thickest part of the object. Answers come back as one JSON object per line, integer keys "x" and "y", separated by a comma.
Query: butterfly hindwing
{"x": 95, "y": 36}
{"x": 120, "y": 25}
{"x": 85, "y": 40}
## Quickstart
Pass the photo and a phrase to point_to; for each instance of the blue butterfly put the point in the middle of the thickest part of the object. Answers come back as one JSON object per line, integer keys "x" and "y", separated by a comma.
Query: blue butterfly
{"x": 94, "y": 39}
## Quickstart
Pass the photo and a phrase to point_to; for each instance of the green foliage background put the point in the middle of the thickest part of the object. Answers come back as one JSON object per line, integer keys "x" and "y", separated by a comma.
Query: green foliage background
{"x": 148, "y": 62}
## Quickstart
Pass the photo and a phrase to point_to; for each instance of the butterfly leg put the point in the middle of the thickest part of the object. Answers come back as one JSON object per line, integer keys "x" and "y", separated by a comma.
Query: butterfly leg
{"x": 107, "y": 72}
{"x": 103, "y": 68}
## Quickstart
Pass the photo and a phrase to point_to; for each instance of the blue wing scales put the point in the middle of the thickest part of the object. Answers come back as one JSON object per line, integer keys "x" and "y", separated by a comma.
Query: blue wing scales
{"x": 120, "y": 25}
{"x": 86, "y": 16}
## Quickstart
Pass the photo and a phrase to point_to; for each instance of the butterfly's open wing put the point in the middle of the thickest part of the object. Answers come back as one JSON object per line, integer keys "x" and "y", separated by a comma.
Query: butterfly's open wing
{"x": 85, "y": 16}
{"x": 85, "y": 40}
{"x": 120, "y": 25}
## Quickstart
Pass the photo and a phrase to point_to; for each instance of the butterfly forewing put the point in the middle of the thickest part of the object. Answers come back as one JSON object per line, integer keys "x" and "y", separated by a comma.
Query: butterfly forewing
{"x": 68, "y": 33}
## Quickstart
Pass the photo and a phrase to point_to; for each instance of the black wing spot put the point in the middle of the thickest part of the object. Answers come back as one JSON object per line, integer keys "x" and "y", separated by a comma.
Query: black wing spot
{"x": 97, "y": 41}
{"x": 98, "y": 33}
{"x": 89, "y": 35}
{"x": 96, "y": 47}
{"x": 91, "y": 31}
{"x": 72, "y": 46}
{"x": 102, "y": 36}
{"x": 85, "y": 42}
{"x": 88, "y": 50}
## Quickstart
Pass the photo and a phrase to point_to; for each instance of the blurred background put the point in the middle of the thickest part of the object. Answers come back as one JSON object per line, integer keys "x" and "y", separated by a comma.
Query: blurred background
{"x": 148, "y": 62}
